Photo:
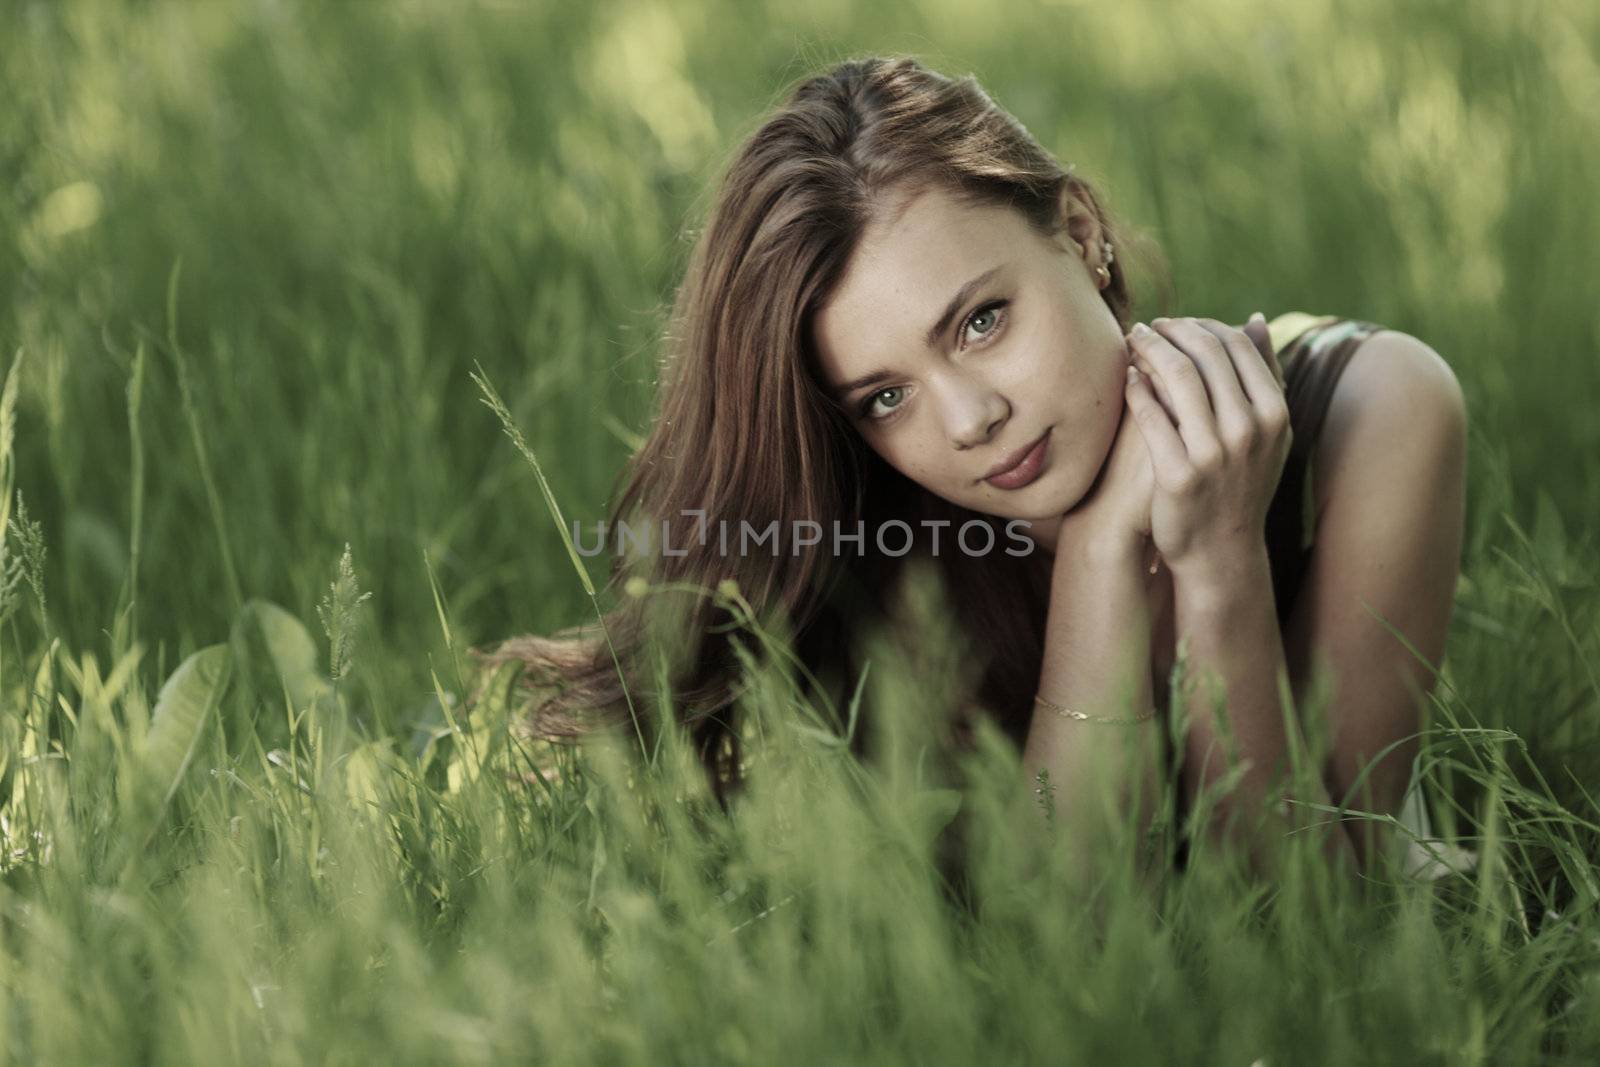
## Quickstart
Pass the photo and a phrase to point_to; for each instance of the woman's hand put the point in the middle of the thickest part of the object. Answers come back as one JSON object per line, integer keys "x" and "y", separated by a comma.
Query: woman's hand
{"x": 1113, "y": 518}
{"x": 1209, "y": 404}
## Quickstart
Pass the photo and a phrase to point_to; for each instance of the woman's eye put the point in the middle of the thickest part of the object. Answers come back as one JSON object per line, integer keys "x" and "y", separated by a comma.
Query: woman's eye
{"x": 867, "y": 408}
{"x": 986, "y": 320}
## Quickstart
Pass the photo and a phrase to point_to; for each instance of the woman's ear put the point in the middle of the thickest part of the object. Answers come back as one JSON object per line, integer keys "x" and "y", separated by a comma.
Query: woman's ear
{"x": 1079, "y": 216}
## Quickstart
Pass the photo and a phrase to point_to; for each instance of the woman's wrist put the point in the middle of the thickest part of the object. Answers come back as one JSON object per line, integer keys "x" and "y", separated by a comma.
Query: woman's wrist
{"x": 1099, "y": 546}
{"x": 1217, "y": 579}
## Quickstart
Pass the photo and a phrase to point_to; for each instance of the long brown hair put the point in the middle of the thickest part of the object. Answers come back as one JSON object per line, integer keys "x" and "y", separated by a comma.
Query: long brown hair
{"x": 745, "y": 431}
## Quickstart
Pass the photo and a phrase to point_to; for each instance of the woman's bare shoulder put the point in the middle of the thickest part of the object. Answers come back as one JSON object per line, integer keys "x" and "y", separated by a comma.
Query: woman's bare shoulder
{"x": 1394, "y": 388}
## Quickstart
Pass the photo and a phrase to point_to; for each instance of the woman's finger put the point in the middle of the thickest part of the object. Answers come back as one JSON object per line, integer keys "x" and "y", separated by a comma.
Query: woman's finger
{"x": 1259, "y": 384}
{"x": 1227, "y": 411}
{"x": 1169, "y": 459}
{"x": 1211, "y": 355}
{"x": 1150, "y": 379}
{"x": 1178, "y": 375}
{"x": 1262, "y": 335}
{"x": 1187, "y": 388}
{"x": 1256, "y": 329}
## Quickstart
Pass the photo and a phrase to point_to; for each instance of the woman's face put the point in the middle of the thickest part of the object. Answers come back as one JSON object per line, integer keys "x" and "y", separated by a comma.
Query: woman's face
{"x": 947, "y": 380}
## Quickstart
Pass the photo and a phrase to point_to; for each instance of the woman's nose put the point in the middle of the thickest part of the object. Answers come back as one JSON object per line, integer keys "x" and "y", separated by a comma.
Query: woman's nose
{"x": 973, "y": 413}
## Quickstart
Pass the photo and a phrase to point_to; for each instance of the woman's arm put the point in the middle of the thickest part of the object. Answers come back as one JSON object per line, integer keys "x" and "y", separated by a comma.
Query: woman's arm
{"x": 1096, "y": 660}
{"x": 1375, "y": 607}
{"x": 1226, "y": 619}
{"x": 1218, "y": 439}
{"x": 1391, "y": 469}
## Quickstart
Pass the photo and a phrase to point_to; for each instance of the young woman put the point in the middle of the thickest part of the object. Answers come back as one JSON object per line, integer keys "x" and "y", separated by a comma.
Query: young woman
{"x": 902, "y": 308}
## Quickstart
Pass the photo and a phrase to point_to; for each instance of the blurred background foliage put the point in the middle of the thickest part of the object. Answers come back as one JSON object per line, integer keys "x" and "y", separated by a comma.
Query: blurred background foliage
{"x": 356, "y": 201}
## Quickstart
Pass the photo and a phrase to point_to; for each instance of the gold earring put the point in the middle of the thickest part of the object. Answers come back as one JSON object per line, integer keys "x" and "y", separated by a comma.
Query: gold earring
{"x": 1105, "y": 276}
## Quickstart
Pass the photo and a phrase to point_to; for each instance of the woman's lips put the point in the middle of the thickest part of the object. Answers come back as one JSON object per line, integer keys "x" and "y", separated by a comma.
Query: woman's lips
{"x": 1026, "y": 470}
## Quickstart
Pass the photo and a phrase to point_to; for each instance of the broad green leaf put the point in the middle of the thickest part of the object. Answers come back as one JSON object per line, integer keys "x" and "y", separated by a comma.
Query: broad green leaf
{"x": 265, "y": 630}
{"x": 366, "y": 771}
{"x": 187, "y": 701}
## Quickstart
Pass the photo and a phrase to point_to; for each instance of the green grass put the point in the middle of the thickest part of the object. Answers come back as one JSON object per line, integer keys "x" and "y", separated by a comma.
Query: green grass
{"x": 254, "y": 255}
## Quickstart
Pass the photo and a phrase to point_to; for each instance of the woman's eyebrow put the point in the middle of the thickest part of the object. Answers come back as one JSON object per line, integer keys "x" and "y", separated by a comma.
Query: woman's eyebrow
{"x": 952, "y": 309}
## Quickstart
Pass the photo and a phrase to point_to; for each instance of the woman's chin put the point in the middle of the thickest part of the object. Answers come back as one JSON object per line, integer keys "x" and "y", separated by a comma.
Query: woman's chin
{"x": 1046, "y": 506}
{"x": 1054, "y": 501}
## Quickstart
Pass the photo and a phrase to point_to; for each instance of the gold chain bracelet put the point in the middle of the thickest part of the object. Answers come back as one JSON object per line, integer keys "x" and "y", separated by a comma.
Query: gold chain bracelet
{"x": 1083, "y": 716}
